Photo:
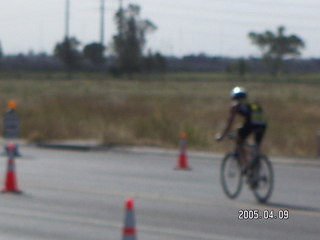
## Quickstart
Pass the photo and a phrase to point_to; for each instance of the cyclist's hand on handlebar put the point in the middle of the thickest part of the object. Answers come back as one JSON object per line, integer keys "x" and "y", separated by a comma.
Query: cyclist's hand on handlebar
{"x": 219, "y": 137}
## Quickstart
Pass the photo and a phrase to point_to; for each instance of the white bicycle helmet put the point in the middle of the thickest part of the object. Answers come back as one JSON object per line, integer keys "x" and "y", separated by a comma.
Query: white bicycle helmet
{"x": 238, "y": 93}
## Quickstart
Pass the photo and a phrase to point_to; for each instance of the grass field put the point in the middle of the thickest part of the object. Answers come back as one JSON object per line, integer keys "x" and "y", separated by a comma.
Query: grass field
{"x": 154, "y": 110}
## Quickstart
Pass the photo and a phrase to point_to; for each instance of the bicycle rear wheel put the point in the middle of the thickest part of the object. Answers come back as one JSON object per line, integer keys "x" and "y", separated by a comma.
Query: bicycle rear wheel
{"x": 265, "y": 180}
{"x": 230, "y": 175}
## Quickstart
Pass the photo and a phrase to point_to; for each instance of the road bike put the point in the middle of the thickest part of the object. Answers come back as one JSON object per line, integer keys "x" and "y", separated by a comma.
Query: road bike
{"x": 259, "y": 175}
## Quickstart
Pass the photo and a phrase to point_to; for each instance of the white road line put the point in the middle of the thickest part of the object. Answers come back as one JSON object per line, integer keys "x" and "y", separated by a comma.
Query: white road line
{"x": 176, "y": 199}
{"x": 183, "y": 234}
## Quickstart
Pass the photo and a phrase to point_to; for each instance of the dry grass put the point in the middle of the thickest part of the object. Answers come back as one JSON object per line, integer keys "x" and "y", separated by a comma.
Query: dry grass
{"x": 156, "y": 112}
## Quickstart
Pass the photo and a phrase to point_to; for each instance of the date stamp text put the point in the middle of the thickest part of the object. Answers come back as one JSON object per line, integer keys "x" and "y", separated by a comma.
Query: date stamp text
{"x": 267, "y": 214}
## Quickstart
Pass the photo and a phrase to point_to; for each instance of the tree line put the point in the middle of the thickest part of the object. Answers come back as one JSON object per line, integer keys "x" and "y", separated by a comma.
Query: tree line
{"x": 128, "y": 53}
{"x": 127, "y": 45}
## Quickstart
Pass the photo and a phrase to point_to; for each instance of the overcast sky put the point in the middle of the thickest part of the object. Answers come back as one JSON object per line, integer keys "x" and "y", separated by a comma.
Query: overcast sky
{"x": 213, "y": 27}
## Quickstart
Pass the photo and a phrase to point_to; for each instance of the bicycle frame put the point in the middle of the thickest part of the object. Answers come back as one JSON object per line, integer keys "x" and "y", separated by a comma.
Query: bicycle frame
{"x": 250, "y": 148}
{"x": 256, "y": 179}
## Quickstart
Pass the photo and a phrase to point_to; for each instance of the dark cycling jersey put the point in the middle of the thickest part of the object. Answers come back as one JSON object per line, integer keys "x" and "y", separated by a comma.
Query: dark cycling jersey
{"x": 254, "y": 121}
{"x": 252, "y": 112}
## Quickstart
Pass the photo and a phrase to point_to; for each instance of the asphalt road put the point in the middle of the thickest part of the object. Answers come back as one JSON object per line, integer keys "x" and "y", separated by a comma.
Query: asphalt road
{"x": 80, "y": 195}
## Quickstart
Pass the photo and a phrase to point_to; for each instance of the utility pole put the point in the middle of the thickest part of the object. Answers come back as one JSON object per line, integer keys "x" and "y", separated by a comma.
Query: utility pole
{"x": 102, "y": 13}
{"x": 121, "y": 17}
{"x": 67, "y": 19}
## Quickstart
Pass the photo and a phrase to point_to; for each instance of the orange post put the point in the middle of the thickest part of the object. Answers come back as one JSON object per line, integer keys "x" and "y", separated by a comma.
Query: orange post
{"x": 183, "y": 157}
{"x": 10, "y": 179}
{"x": 129, "y": 230}
{"x": 318, "y": 144}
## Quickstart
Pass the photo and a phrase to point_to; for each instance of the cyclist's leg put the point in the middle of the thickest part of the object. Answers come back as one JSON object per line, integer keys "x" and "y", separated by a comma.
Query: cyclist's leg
{"x": 259, "y": 133}
{"x": 243, "y": 134}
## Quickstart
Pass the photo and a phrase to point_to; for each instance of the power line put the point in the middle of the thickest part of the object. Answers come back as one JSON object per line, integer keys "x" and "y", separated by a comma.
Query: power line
{"x": 192, "y": 17}
{"x": 102, "y": 12}
{"x": 213, "y": 3}
{"x": 121, "y": 17}
{"x": 67, "y": 20}
{"x": 245, "y": 9}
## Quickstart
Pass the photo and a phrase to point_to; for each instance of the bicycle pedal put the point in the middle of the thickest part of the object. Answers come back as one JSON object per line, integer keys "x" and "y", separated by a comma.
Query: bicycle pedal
{"x": 254, "y": 185}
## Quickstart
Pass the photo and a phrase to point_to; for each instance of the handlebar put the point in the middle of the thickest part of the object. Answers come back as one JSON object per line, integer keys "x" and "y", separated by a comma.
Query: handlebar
{"x": 230, "y": 136}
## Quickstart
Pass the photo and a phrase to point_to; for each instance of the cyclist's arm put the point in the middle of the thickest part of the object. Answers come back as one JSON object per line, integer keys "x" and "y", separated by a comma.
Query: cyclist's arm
{"x": 230, "y": 121}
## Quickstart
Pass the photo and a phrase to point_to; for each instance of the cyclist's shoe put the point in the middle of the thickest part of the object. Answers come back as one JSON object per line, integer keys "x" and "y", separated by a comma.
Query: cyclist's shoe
{"x": 253, "y": 180}
{"x": 254, "y": 184}
{"x": 246, "y": 171}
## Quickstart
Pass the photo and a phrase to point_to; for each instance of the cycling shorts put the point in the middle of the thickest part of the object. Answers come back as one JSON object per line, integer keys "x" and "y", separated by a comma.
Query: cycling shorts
{"x": 257, "y": 130}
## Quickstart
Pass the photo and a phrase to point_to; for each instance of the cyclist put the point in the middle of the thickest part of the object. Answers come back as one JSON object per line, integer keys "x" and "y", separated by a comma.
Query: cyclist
{"x": 254, "y": 123}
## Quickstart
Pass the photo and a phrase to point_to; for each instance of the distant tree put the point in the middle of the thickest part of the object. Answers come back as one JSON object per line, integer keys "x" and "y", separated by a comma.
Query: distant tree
{"x": 161, "y": 63}
{"x": 130, "y": 39}
{"x": 1, "y": 51}
{"x": 239, "y": 66}
{"x": 275, "y": 46}
{"x": 1, "y": 55}
{"x": 95, "y": 53}
{"x": 242, "y": 67}
{"x": 154, "y": 62}
{"x": 67, "y": 51}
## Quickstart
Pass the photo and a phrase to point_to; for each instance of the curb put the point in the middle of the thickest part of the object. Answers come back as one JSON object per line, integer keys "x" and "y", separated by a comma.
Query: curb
{"x": 98, "y": 146}
{"x": 298, "y": 162}
{"x": 74, "y": 145}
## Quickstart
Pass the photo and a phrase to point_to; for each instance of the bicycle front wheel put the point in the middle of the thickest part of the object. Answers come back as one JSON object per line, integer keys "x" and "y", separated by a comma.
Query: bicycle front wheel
{"x": 230, "y": 175}
{"x": 265, "y": 180}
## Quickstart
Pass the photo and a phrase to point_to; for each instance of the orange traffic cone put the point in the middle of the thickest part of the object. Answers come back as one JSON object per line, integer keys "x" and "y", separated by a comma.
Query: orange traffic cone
{"x": 129, "y": 231}
{"x": 11, "y": 181}
{"x": 183, "y": 157}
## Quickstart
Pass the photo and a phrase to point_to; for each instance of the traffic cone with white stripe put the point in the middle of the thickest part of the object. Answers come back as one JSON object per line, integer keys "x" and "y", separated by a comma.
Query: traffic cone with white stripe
{"x": 129, "y": 230}
{"x": 183, "y": 157}
{"x": 11, "y": 180}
